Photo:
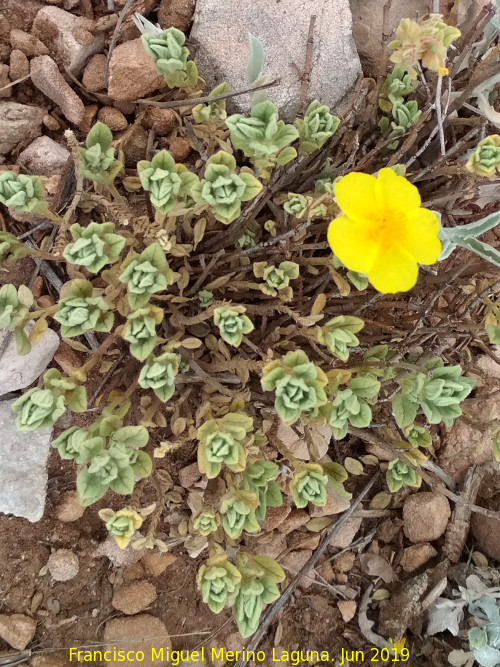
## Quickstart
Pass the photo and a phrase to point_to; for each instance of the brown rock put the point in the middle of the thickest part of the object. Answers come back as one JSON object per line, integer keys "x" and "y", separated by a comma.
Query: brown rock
{"x": 89, "y": 118}
{"x": 466, "y": 446}
{"x": 275, "y": 516}
{"x": 487, "y": 533}
{"x": 67, "y": 358}
{"x": 425, "y": 516}
{"x": 134, "y": 597}
{"x": 135, "y": 146}
{"x": 28, "y": 44}
{"x": 132, "y": 72}
{"x": 5, "y": 88}
{"x": 176, "y": 14}
{"x": 180, "y": 148}
{"x": 63, "y": 565}
{"x": 162, "y": 121}
{"x": 156, "y": 563}
{"x": 69, "y": 508}
{"x": 125, "y": 107}
{"x": 55, "y": 28}
{"x": 19, "y": 124}
{"x": 51, "y": 123}
{"x": 294, "y": 562}
{"x": 46, "y": 77}
{"x": 300, "y": 540}
{"x": 19, "y": 66}
{"x": 335, "y": 504}
{"x": 347, "y": 609}
{"x": 151, "y": 632}
{"x": 272, "y": 545}
{"x": 37, "y": 288}
{"x": 417, "y": 555}
{"x": 17, "y": 630}
{"x": 189, "y": 475}
{"x": 134, "y": 571}
{"x": 46, "y": 301}
{"x": 49, "y": 661}
{"x": 326, "y": 572}
{"x": 294, "y": 520}
{"x": 44, "y": 157}
{"x": 94, "y": 75}
{"x": 346, "y": 534}
{"x": 113, "y": 118}
{"x": 344, "y": 562}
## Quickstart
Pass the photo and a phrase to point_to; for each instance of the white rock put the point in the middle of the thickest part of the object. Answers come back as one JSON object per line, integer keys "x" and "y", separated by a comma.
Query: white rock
{"x": 23, "y": 475}
{"x": 18, "y": 371}
{"x": 17, "y": 630}
{"x": 119, "y": 557}
{"x": 221, "y": 32}
{"x": 57, "y": 29}
{"x": 44, "y": 157}
{"x": 63, "y": 565}
{"x": 19, "y": 124}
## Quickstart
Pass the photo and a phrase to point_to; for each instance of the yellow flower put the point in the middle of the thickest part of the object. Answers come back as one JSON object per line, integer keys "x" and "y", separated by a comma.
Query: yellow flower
{"x": 443, "y": 70}
{"x": 384, "y": 233}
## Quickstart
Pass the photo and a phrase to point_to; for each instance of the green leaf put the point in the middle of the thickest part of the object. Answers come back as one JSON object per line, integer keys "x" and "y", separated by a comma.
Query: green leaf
{"x": 143, "y": 465}
{"x": 131, "y": 436}
{"x": 100, "y": 134}
{"x": 286, "y": 155}
{"x": 78, "y": 400}
{"x": 124, "y": 483}
{"x": 272, "y": 568}
{"x": 89, "y": 487}
{"x": 274, "y": 497}
{"x": 404, "y": 410}
{"x": 256, "y": 60}
{"x": 22, "y": 341}
{"x": 484, "y": 250}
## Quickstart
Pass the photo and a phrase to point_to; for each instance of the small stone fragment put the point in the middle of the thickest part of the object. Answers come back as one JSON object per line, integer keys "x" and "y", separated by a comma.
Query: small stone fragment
{"x": 56, "y": 28}
{"x": 63, "y": 565}
{"x": 344, "y": 562}
{"x": 156, "y": 563}
{"x": 135, "y": 146}
{"x": 67, "y": 358}
{"x": 294, "y": 561}
{"x": 49, "y": 661}
{"x": 51, "y": 123}
{"x": 294, "y": 520}
{"x": 486, "y": 530}
{"x": 275, "y": 516}
{"x": 44, "y": 157}
{"x": 176, "y": 14}
{"x": 335, "y": 504}
{"x": 346, "y": 534}
{"x": 19, "y": 66}
{"x": 272, "y": 546}
{"x": 162, "y": 121}
{"x": 89, "y": 118}
{"x": 17, "y": 630}
{"x": 134, "y": 571}
{"x": 134, "y": 597}
{"x": 347, "y": 609}
{"x": 69, "y": 508}
{"x": 132, "y": 72}
{"x": 113, "y": 118}
{"x": 119, "y": 557}
{"x": 46, "y": 76}
{"x": 146, "y": 629}
{"x": 180, "y": 148}
{"x": 5, "y": 88}
{"x": 189, "y": 475}
{"x": 19, "y": 124}
{"x": 94, "y": 75}
{"x": 425, "y": 516}
{"x": 417, "y": 555}
{"x": 29, "y": 44}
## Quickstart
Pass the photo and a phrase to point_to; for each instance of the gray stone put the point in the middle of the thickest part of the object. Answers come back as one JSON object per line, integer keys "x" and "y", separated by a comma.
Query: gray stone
{"x": 19, "y": 124}
{"x": 23, "y": 475}
{"x": 119, "y": 557}
{"x": 44, "y": 157}
{"x": 19, "y": 371}
{"x": 221, "y": 33}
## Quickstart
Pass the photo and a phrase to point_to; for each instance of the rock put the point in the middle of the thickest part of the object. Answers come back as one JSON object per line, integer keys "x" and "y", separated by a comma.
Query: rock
{"x": 63, "y": 565}
{"x": 272, "y": 546}
{"x": 486, "y": 530}
{"x": 67, "y": 358}
{"x": 162, "y": 121}
{"x": 19, "y": 66}
{"x": 275, "y": 516}
{"x": 135, "y": 146}
{"x": 5, "y": 81}
{"x": 488, "y": 366}
{"x": 51, "y": 123}
{"x": 371, "y": 35}
{"x": 346, "y": 534}
{"x": 189, "y": 475}
{"x": 44, "y": 157}
{"x": 49, "y": 661}
{"x": 180, "y": 148}
{"x": 425, "y": 516}
{"x": 132, "y": 72}
{"x": 294, "y": 561}
{"x": 17, "y": 630}
{"x": 19, "y": 371}
{"x": 134, "y": 597}
{"x": 156, "y": 563}
{"x": 335, "y": 504}
{"x": 176, "y": 14}
{"x": 69, "y": 508}
{"x": 301, "y": 540}
{"x": 294, "y": 520}
{"x": 29, "y": 44}
{"x": 46, "y": 76}
{"x": 89, "y": 117}
{"x": 347, "y": 609}
{"x": 94, "y": 75}
{"x": 119, "y": 557}
{"x": 134, "y": 571}
{"x": 58, "y": 30}
{"x": 146, "y": 629}
{"x": 345, "y": 562}
{"x": 417, "y": 555}
{"x": 113, "y": 118}
{"x": 221, "y": 32}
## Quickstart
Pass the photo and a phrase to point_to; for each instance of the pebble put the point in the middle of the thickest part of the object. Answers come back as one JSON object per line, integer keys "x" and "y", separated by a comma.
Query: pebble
{"x": 113, "y": 118}
{"x": 189, "y": 475}
{"x": 51, "y": 123}
{"x": 134, "y": 571}
{"x": 417, "y": 555}
{"x": 275, "y": 516}
{"x": 69, "y": 508}
{"x": 49, "y": 661}
{"x": 486, "y": 530}
{"x": 151, "y": 632}
{"x": 132, "y": 73}
{"x": 294, "y": 520}
{"x": 44, "y": 157}
{"x": 156, "y": 563}
{"x": 5, "y": 89}
{"x": 135, "y": 145}
{"x": 29, "y": 44}
{"x": 63, "y": 565}
{"x": 177, "y": 14}
{"x": 119, "y": 557}
{"x": 19, "y": 65}
{"x": 272, "y": 546}
{"x": 17, "y": 630}
{"x": 347, "y": 609}
{"x": 94, "y": 75}
{"x": 89, "y": 118}
{"x": 346, "y": 534}
{"x": 134, "y": 597}
{"x": 335, "y": 504}
{"x": 425, "y": 516}
{"x": 46, "y": 76}
{"x": 294, "y": 561}
{"x": 61, "y": 31}
{"x": 162, "y": 121}
{"x": 67, "y": 358}
{"x": 180, "y": 148}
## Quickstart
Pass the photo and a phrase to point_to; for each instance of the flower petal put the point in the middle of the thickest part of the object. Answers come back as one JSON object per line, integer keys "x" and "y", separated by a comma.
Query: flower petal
{"x": 422, "y": 240}
{"x": 350, "y": 241}
{"x": 355, "y": 194}
{"x": 394, "y": 270}
{"x": 396, "y": 193}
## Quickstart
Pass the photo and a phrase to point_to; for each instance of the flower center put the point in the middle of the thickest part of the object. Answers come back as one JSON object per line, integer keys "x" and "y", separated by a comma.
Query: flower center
{"x": 389, "y": 230}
